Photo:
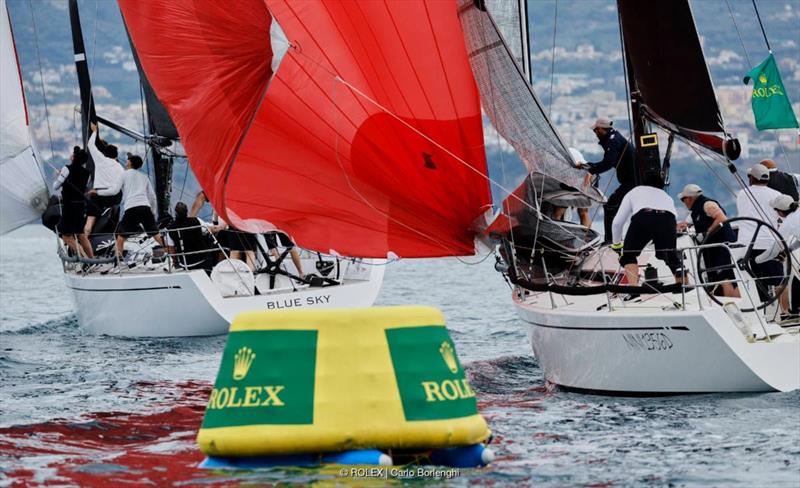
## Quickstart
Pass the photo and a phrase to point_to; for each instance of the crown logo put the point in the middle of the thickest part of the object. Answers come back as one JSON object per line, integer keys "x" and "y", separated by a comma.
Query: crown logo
{"x": 449, "y": 356}
{"x": 241, "y": 362}
{"x": 762, "y": 78}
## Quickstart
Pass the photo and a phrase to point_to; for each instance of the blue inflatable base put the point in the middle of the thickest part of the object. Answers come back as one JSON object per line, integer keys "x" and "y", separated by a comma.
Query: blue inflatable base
{"x": 363, "y": 457}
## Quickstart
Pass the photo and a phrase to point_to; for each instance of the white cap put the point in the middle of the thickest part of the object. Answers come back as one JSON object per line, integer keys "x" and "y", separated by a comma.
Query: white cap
{"x": 602, "y": 123}
{"x": 782, "y": 202}
{"x": 759, "y": 172}
{"x": 690, "y": 190}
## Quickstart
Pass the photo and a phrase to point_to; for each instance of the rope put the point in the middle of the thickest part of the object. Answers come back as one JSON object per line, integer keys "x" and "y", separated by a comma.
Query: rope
{"x": 41, "y": 79}
{"x": 553, "y": 61}
{"x": 760, "y": 24}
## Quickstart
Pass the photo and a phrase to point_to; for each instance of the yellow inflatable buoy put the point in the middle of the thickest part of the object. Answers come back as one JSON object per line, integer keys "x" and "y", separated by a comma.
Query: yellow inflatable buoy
{"x": 312, "y": 381}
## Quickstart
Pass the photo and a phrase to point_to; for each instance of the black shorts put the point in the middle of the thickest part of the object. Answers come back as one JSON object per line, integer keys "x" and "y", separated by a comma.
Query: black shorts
{"x": 136, "y": 220}
{"x": 274, "y": 239}
{"x": 237, "y": 241}
{"x": 718, "y": 264}
{"x": 98, "y": 204}
{"x": 72, "y": 218}
{"x": 655, "y": 226}
{"x": 767, "y": 274}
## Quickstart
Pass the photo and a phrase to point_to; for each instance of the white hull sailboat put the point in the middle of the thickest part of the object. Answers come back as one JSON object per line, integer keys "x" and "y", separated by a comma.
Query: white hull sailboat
{"x": 155, "y": 301}
{"x": 633, "y": 351}
{"x": 568, "y": 291}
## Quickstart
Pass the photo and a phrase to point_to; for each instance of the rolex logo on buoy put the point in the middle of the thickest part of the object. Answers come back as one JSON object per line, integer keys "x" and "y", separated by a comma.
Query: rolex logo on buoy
{"x": 242, "y": 361}
{"x": 446, "y": 350}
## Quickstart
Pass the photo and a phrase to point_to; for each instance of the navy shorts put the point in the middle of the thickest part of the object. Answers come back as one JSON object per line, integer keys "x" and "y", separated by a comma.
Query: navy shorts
{"x": 72, "y": 218}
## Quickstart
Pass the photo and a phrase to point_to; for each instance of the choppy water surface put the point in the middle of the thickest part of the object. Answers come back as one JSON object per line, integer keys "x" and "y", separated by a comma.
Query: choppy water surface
{"x": 98, "y": 411}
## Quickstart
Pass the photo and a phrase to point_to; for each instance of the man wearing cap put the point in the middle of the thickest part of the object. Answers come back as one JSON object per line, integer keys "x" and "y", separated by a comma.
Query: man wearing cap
{"x": 780, "y": 180}
{"x": 617, "y": 153}
{"x": 651, "y": 213}
{"x": 786, "y": 208}
{"x": 138, "y": 202}
{"x": 107, "y": 173}
{"x": 708, "y": 218}
{"x": 753, "y": 202}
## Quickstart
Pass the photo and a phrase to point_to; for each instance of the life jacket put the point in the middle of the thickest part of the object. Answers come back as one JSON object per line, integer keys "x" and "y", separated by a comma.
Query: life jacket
{"x": 702, "y": 222}
{"x": 74, "y": 187}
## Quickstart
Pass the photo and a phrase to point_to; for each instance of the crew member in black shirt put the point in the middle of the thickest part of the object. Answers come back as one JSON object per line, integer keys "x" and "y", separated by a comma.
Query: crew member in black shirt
{"x": 72, "y": 181}
{"x": 781, "y": 181}
{"x": 617, "y": 153}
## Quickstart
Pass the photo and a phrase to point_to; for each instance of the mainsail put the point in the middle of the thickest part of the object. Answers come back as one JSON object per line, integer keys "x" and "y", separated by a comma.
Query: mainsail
{"x": 23, "y": 192}
{"x": 367, "y": 140}
{"x": 670, "y": 81}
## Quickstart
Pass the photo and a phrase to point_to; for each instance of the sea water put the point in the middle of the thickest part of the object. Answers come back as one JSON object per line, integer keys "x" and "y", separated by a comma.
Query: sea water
{"x": 77, "y": 409}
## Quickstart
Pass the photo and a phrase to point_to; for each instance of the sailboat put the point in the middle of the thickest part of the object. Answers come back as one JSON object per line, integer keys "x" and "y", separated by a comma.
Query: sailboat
{"x": 158, "y": 295}
{"x": 675, "y": 338}
{"x": 372, "y": 113}
{"x": 23, "y": 191}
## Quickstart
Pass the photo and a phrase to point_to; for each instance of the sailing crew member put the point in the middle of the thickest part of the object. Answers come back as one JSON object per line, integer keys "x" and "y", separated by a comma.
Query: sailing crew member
{"x": 271, "y": 238}
{"x": 711, "y": 227}
{"x": 650, "y": 213}
{"x": 186, "y": 242}
{"x": 781, "y": 181}
{"x": 107, "y": 173}
{"x": 753, "y": 202}
{"x": 786, "y": 208}
{"x": 72, "y": 181}
{"x": 138, "y": 202}
{"x": 617, "y": 153}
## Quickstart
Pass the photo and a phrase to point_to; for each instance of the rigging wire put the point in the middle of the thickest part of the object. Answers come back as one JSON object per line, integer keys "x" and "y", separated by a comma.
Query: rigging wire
{"x": 758, "y": 16}
{"x": 41, "y": 80}
{"x": 553, "y": 61}
{"x": 625, "y": 75}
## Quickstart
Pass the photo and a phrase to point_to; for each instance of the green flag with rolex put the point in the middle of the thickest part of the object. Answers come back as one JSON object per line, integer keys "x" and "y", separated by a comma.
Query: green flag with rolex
{"x": 771, "y": 106}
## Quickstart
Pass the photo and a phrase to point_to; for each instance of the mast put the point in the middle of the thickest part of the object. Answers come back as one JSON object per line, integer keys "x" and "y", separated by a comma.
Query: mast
{"x": 524, "y": 32}
{"x": 88, "y": 113}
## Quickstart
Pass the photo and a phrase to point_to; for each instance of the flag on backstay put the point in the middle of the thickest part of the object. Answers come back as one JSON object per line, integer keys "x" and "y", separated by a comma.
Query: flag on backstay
{"x": 771, "y": 106}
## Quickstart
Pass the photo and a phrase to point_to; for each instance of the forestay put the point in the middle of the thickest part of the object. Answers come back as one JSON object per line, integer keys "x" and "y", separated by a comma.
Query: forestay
{"x": 23, "y": 192}
{"x": 366, "y": 140}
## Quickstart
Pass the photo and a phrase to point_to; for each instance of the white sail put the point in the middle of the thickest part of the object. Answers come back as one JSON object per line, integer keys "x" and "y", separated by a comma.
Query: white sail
{"x": 23, "y": 191}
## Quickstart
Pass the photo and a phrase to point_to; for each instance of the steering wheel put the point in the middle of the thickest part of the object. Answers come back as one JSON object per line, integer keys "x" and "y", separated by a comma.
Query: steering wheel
{"x": 746, "y": 263}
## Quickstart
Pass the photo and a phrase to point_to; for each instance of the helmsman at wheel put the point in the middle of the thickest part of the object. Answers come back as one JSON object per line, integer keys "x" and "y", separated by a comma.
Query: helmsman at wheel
{"x": 650, "y": 213}
{"x": 711, "y": 227}
{"x": 617, "y": 153}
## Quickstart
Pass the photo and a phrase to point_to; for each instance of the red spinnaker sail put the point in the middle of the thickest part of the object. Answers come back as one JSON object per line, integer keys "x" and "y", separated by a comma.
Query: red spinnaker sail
{"x": 367, "y": 139}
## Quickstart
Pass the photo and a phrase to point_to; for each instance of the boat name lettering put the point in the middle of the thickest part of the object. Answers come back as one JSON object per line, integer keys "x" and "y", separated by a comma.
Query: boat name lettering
{"x": 253, "y": 396}
{"x": 647, "y": 341}
{"x": 440, "y": 391}
{"x": 299, "y": 302}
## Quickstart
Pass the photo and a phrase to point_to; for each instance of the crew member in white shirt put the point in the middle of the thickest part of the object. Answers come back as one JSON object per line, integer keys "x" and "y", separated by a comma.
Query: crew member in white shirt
{"x": 651, "y": 214}
{"x": 107, "y": 174}
{"x": 786, "y": 208}
{"x": 753, "y": 202}
{"x": 138, "y": 202}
